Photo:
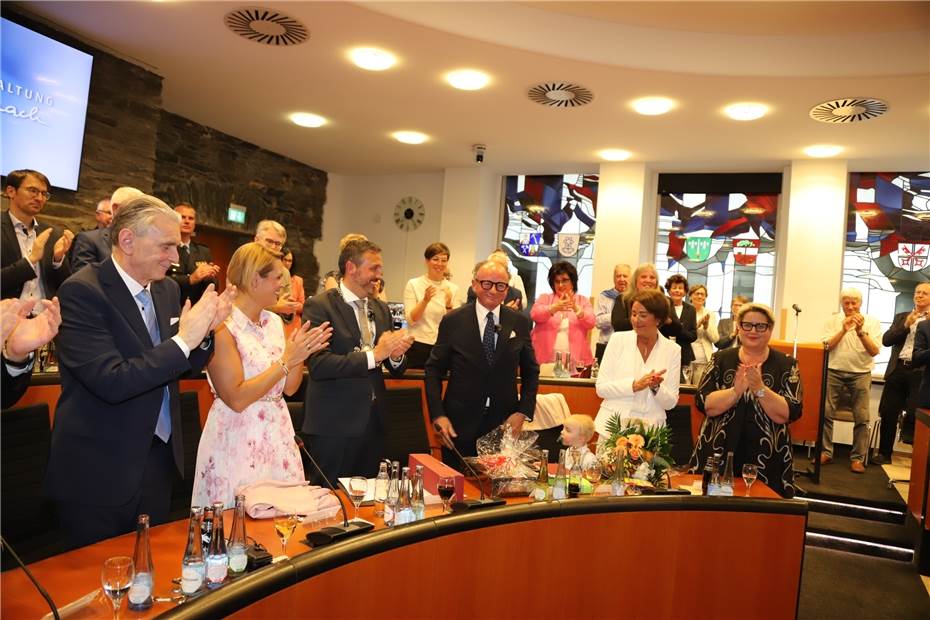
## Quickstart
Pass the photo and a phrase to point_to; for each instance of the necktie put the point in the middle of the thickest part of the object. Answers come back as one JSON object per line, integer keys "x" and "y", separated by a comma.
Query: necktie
{"x": 363, "y": 321}
{"x": 184, "y": 254}
{"x": 163, "y": 427}
{"x": 488, "y": 340}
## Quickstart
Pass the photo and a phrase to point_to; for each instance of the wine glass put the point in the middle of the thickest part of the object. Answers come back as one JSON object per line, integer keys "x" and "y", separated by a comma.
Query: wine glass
{"x": 579, "y": 367}
{"x": 750, "y": 473}
{"x": 116, "y": 577}
{"x": 284, "y": 526}
{"x": 358, "y": 486}
{"x": 446, "y": 490}
{"x": 592, "y": 473}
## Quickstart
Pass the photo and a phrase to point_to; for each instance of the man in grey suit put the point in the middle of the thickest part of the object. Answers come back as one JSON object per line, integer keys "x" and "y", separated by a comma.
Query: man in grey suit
{"x": 345, "y": 390}
{"x": 93, "y": 246}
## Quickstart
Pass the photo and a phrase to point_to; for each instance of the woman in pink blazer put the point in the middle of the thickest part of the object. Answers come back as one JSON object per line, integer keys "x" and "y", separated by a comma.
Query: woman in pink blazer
{"x": 563, "y": 318}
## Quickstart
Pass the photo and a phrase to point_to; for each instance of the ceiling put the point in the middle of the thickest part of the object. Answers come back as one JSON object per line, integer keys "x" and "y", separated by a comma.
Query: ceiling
{"x": 704, "y": 55}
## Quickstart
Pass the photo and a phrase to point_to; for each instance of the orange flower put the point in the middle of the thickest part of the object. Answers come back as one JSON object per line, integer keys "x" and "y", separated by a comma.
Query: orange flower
{"x": 635, "y": 453}
{"x": 637, "y": 441}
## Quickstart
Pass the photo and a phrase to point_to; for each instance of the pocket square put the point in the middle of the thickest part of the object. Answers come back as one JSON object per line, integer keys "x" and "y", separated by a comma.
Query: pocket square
{"x": 513, "y": 335}
{"x": 174, "y": 320}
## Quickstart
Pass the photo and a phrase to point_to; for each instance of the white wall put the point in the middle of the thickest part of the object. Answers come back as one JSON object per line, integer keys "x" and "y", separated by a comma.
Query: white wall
{"x": 365, "y": 204}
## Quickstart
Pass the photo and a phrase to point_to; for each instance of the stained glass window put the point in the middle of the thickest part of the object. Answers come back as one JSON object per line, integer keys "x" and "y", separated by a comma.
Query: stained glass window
{"x": 547, "y": 219}
{"x": 887, "y": 243}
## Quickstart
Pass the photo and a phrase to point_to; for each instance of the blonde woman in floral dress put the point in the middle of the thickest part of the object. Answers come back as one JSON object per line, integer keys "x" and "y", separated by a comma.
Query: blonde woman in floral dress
{"x": 248, "y": 435}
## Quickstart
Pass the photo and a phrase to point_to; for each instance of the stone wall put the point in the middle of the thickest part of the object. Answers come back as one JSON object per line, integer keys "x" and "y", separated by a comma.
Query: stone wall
{"x": 210, "y": 170}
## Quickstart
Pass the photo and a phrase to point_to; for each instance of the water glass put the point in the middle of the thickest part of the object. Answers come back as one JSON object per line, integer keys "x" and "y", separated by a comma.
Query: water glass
{"x": 358, "y": 487}
{"x": 446, "y": 489}
{"x": 750, "y": 473}
{"x": 116, "y": 577}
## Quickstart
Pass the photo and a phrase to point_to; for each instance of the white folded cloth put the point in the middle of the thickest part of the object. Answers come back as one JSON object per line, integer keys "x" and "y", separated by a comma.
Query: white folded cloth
{"x": 265, "y": 499}
{"x": 551, "y": 411}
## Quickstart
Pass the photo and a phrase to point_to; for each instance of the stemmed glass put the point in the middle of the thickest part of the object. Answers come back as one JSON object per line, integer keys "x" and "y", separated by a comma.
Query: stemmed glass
{"x": 446, "y": 489}
{"x": 358, "y": 486}
{"x": 116, "y": 577}
{"x": 592, "y": 473}
{"x": 579, "y": 367}
{"x": 284, "y": 526}
{"x": 750, "y": 473}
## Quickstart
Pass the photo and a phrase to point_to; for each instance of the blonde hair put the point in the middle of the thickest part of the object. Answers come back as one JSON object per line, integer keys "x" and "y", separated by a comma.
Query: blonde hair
{"x": 583, "y": 423}
{"x": 752, "y": 306}
{"x": 249, "y": 260}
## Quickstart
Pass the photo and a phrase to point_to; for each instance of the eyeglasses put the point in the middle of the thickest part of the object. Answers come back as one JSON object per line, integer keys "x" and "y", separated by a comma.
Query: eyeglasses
{"x": 759, "y": 327}
{"x": 487, "y": 285}
{"x": 272, "y": 242}
{"x": 35, "y": 191}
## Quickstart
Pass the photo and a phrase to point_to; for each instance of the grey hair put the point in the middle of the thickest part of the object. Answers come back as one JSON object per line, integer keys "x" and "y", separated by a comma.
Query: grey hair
{"x": 489, "y": 263}
{"x": 124, "y": 194}
{"x": 138, "y": 215}
{"x": 851, "y": 293}
{"x": 273, "y": 225}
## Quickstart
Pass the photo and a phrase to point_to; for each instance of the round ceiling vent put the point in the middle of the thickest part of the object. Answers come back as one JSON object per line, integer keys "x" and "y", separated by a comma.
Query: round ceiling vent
{"x": 266, "y": 26}
{"x": 848, "y": 110}
{"x": 560, "y": 95}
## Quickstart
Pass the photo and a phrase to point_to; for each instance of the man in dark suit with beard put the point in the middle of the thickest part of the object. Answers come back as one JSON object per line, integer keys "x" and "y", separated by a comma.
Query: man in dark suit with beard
{"x": 343, "y": 407}
{"x": 481, "y": 346}
{"x": 123, "y": 343}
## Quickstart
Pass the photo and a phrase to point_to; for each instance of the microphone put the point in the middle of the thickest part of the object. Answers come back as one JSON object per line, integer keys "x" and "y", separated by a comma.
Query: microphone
{"x": 469, "y": 504}
{"x": 333, "y": 533}
{"x": 371, "y": 316}
{"x": 497, "y": 329}
{"x": 796, "y": 309}
{"x": 35, "y": 582}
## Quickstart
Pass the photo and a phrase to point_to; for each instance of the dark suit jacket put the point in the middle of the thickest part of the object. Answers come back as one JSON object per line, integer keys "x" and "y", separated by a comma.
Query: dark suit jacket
{"x": 90, "y": 246}
{"x": 684, "y": 330}
{"x": 12, "y": 387}
{"x": 15, "y": 269}
{"x": 727, "y": 330}
{"x": 340, "y": 386}
{"x": 921, "y": 357}
{"x": 112, "y": 381}
{"x": 894, "y": 337}
{"x": 181, "y": 273}
{"x": 459, "y": 354}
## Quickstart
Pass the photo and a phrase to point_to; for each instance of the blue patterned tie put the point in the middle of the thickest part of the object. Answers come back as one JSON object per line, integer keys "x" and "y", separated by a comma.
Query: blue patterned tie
{"x": 163, "y": 427}
{"x": 488, "y": 340}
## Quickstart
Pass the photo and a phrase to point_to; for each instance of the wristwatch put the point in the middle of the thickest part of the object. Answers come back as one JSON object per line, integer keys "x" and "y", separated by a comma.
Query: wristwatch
{"x": 760, "y": 393}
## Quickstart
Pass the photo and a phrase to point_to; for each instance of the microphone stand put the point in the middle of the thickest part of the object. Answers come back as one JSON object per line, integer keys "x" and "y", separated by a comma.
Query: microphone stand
{"x": 797, "y": 320}
{"x": 48, "y": 599}
{"x": 470, "y": 504}
{"x": 333, "y": 533}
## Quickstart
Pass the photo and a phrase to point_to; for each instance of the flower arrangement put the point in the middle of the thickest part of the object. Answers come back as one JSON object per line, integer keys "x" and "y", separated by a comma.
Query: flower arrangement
{"x": 642, "y": 450}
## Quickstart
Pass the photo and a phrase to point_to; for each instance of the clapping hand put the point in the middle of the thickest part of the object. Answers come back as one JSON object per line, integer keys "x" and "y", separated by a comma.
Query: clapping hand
{"x": 652, "y": 380}
{"x": 12, "y": 311}
{"x": 753, "y": 374}
{"x": 741, "y": 380}
{"x": 62, "y": 245}
{"x": 392, "y": 344}
{"x": 429, "y": 293}
{"x": 704, "y": 322}
{"x": 304, "y": 342}
{"x": 204, "y": 271}
{"x": 30, "y": 334}
{"x": 204, "y": 316}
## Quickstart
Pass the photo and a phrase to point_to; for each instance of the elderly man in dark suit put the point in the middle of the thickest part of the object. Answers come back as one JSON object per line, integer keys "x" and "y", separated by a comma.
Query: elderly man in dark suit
{"x": 123, "y": 344}
{"x": 33, "y": 256}
{"x": 902, "y": 376}
{"x": 481, "y": 346}
{"x": 345, "y": 390}
{"x": 93, "y": 246}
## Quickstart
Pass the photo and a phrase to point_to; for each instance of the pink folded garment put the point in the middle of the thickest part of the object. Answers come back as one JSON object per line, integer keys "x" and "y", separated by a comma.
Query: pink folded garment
{"x": 266, "y": 499}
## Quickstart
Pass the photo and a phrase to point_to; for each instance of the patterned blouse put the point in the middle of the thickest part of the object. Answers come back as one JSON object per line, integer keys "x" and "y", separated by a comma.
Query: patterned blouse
{"x": 745, "y": 429}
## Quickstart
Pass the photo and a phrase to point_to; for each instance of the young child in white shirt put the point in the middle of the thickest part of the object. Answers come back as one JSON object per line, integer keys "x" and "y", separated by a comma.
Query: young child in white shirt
{"x": 577, "y": 431}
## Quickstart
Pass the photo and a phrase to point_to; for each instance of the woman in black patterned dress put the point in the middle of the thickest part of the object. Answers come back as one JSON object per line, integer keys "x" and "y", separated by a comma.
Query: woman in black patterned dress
{"x": 750, "y": 394}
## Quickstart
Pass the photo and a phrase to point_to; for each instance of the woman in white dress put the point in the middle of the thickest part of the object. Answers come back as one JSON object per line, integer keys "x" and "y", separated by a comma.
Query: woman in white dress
{"x": 707, "y": 335}
{"x": 639, "y": 378}
{"x": 248, "y": 435}
{"x": 427, "y": 299}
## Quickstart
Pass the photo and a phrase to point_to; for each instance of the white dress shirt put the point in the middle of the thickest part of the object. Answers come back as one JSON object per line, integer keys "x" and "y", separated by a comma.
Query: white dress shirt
{"x": 623, "y": 364}
{"x": 703, "y": 347}
{"x": 134, "y": 289}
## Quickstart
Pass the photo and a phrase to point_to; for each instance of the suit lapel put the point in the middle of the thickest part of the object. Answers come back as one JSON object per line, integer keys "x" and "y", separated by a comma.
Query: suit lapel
{"x": 162, "y": 300}
{"x": 118, "y": 294}
{"x": 508, "y": 321}
{"x": 342, "y": 307}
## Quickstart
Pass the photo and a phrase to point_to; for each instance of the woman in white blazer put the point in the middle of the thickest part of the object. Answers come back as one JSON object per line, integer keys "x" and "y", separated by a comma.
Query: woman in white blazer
{"x": 640, "y": 374}
{"x": 707, "y": 335}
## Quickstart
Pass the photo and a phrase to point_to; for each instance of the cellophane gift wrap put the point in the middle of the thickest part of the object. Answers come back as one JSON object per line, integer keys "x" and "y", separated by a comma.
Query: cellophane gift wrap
{"x": 510, "y": 461}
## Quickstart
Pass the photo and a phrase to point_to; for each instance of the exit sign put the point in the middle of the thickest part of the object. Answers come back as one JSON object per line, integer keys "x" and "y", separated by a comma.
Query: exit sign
{"x": 236, "y": 214}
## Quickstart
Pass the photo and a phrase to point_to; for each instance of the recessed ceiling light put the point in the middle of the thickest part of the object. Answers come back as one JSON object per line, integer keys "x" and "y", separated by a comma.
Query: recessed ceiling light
{"x": 653, "y": 106}
{"x": 614, "y": 154}
{"x": 823, "y": 150}
{"x": 307, "y": 119}
{"x": 746, "y": 111}
{"x": 372, "y": 58}
{"x": 468, "y": 79}
{"x": 410, "y": 137}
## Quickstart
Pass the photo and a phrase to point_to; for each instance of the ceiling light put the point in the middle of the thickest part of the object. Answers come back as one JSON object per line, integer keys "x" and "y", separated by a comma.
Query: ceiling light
{"x": 653, "y": 106}
{"x": 823, "y": 150}
{"x": 746, "y": 111}
{"x": 468, "y": 79}
{"x": 410, "y": 137}
{"x": 372, "y": 59}
{"x": 614, "y": 154}
{"x": 306, "y": 119}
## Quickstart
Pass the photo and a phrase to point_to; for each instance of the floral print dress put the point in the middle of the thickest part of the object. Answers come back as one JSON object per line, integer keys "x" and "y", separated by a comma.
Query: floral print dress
{"x": 258, "y": 442}
{"x": 745, "y": 429}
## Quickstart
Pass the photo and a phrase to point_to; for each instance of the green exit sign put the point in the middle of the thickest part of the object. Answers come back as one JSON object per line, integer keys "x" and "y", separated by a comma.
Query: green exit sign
{"x": 236, "y": 214}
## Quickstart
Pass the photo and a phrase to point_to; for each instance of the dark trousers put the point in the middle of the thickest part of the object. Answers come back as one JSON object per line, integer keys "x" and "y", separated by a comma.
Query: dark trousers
{"x": 899, "y": 394}
{"x": 599, "y": 349}
{"x": 417, "y": 354}
{"x": 339, "y": 456}
{"x": 84, "y": 524}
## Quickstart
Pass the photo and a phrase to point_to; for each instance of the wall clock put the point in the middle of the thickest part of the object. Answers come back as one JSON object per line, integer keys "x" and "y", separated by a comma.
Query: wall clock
{"x": 409, "y": 213}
